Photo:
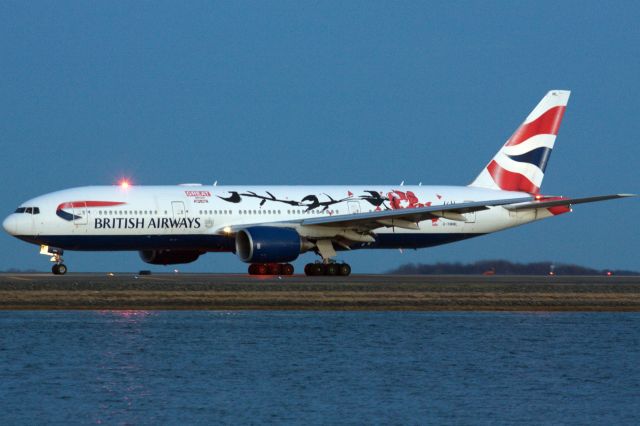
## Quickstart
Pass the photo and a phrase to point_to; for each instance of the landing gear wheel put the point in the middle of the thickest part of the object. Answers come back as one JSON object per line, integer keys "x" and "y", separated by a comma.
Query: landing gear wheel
{"x": 59, "y": 269}
{"x": 261, "y": 269}
{"x": 287, "y": 269}
{"x": 317, "y": 269}
{"x": 344, "y": 270}
{"x": 313, "y": 269}
{"x": 274, "y": 269}
{"x": 271, "y": 269}
{"x": 330, "y": 269}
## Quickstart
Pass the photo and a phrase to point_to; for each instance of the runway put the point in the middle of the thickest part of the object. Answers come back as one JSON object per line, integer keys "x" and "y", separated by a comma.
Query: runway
{"x": 127, "y": 291}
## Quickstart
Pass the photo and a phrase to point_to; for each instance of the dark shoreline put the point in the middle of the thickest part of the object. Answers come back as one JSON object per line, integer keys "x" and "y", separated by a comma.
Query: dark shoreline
{"x": 127, "y": 291}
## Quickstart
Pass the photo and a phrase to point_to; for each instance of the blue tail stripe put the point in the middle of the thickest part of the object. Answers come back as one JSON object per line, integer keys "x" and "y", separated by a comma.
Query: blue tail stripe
{"x": 538, "y": 157}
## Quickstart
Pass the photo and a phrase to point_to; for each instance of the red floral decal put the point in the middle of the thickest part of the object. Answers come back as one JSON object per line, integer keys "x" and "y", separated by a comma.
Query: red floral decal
{"x": 403, "y": 200}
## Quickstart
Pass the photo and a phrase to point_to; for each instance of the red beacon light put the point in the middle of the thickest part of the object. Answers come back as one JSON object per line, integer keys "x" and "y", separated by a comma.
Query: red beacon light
{"x": 124, "y": 184}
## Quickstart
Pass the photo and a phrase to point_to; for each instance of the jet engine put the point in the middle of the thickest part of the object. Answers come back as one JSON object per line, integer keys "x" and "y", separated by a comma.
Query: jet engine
{"x": 169, "y": 257}
{"x": 267, "y": 244}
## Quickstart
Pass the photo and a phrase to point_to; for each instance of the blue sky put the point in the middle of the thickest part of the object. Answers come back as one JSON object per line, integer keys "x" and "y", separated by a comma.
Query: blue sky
{"x": 323, "y": 93}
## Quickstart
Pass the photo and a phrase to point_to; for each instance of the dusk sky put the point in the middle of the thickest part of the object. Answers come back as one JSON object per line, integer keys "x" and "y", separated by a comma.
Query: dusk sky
{"x": 323, "y": 93}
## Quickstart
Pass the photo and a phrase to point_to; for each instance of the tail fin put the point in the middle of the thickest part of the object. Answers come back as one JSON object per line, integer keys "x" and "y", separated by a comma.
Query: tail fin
{"x": 521, "y": 162}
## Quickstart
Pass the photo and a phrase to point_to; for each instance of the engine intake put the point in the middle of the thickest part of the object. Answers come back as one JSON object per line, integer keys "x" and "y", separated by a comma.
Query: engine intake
{"x": 169, "y": 257}
{"x": 268, "y": 244}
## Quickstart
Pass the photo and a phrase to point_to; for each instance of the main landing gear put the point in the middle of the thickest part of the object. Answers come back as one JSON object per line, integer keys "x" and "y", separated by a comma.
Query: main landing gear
{"x": 271, "y": 269}
{"x": 56, "y": 256}
{"x": 329, "y": 269}
{"x": 327, "y": 266}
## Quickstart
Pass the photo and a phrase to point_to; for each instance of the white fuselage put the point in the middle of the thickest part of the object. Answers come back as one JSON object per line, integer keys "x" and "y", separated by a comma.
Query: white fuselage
{"x": 196, "y": 216}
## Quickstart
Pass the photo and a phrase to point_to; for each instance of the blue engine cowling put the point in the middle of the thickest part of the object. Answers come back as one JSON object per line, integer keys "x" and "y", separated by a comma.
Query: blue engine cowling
{"x": 266, "y": 244}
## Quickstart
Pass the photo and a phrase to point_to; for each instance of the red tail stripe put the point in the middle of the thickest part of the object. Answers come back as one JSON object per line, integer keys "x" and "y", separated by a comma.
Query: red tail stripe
{"x": 510, "y": 181}
{"x": 555, "y": 210}
{"x": 547, "y": 124}
{"x": 75, "y": 204}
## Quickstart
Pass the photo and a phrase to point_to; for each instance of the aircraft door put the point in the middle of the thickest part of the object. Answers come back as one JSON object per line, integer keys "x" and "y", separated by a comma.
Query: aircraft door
{"x": 80, "y": 213}
{"x": 179, "y": 211}
{"x": 354, "y": 207}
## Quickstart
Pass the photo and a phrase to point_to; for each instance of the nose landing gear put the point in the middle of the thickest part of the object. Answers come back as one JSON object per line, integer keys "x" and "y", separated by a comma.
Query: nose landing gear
{"x": 59, "y": 269}
{"x": 56, "y": 256}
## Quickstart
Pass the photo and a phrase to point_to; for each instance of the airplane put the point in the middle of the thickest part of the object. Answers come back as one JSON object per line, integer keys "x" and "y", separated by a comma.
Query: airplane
{"x": 270, "y": 226}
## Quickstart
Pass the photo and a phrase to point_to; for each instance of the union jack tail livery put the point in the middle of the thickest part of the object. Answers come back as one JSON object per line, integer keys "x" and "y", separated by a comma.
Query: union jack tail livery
{"x": 520, "y": 164}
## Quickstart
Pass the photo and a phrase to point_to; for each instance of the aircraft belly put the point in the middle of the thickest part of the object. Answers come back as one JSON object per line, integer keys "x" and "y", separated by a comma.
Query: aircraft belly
{"x": 213, "y": 243}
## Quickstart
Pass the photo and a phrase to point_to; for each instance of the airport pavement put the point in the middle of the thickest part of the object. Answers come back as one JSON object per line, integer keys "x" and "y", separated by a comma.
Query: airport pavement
{"x": 357, "y": 292}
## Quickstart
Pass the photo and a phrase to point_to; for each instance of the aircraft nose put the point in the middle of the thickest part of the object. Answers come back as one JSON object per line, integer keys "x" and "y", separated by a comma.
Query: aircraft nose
{"x": 10, "y": 224}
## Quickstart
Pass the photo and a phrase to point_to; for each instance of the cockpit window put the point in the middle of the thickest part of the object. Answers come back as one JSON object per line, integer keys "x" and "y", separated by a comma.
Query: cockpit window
{"x": 28, "y": 210}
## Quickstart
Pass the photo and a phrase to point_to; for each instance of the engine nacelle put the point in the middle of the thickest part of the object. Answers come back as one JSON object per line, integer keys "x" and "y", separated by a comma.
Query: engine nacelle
{"x": 169, "y": 257}
{"x": 266, "y": 244}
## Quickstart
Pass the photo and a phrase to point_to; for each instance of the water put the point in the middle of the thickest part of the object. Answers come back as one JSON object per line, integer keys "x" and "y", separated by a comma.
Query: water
{"x": 319, "y": 367}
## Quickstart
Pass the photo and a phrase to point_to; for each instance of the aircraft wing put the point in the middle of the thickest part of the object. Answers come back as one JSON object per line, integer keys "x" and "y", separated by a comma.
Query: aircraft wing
{"x": 408, "y": 217}
{"x": 561, "y": 201}
{"x": 402, "y": 218}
